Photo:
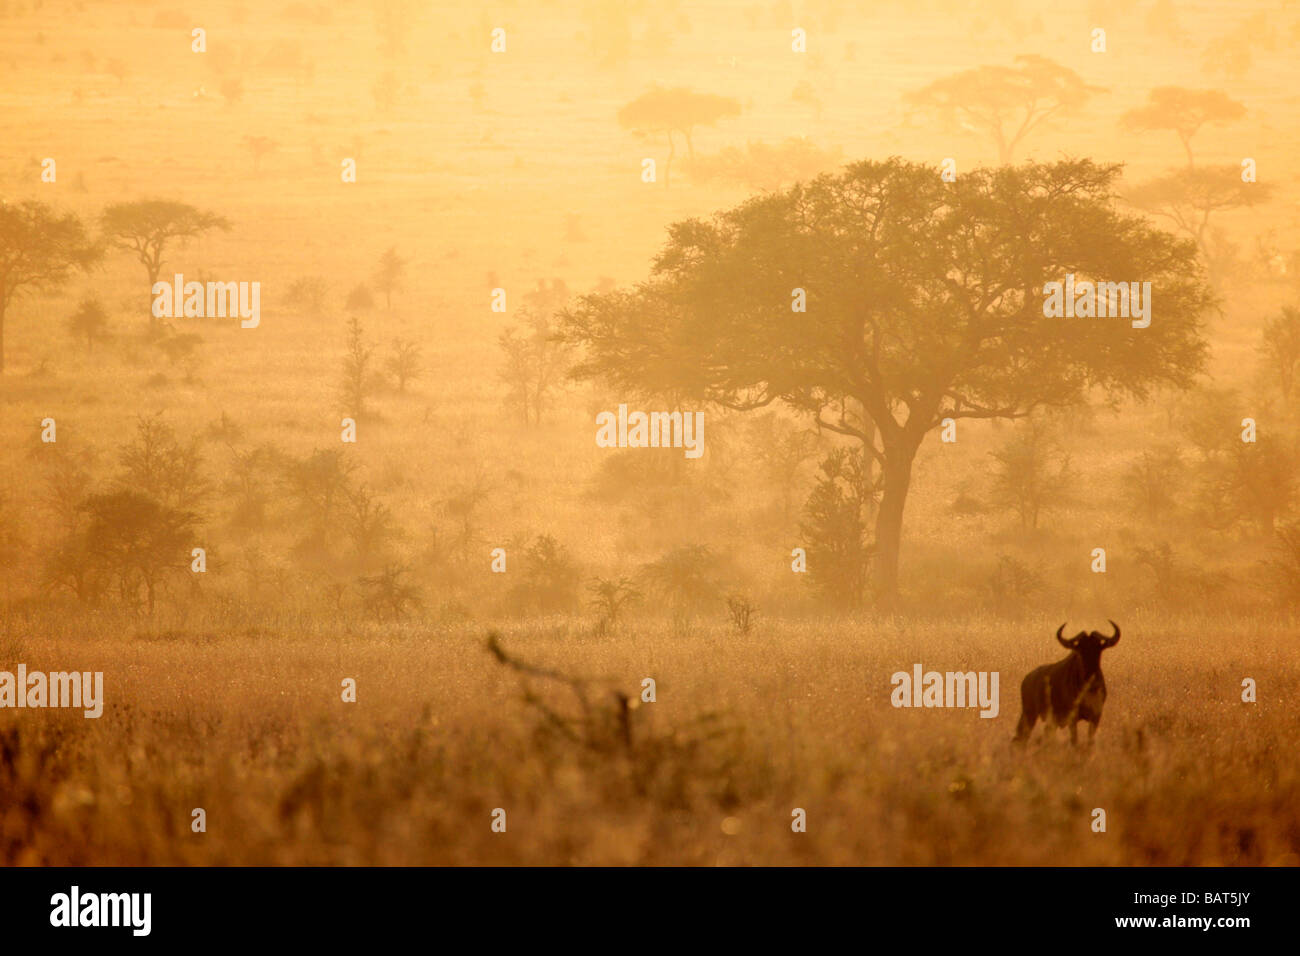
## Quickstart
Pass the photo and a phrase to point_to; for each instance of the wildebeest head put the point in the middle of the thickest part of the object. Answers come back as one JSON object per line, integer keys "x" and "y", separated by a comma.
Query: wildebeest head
{"x": 1089, "y": 645}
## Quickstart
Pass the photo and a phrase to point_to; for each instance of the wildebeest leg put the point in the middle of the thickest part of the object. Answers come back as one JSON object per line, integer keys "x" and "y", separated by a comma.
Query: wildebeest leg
{"x": 1074, "y": 730}
{"x": 1092, "y": 730}
{"x": 1025, "y": 727}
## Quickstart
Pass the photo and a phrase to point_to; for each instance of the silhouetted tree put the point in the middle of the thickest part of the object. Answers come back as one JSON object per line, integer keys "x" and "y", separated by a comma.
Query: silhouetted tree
{"x": 319, "y": 485}
{"x": 1153, "y": 480}
{"x": 38, "y": 248}
{"x": 259, "y": 147}
{"x": 359, "y": 299}
{"x": 836, "y": 525}
{"x": 160, "y": 466}
{"x": 549, "y": 578}
{"x": 609, "y": 598}
{"x": 1032, "y": 471}
{"x": 678, "y": 110}
{"x": 137, "y": 541}
{"x": 534, "y": 363}
{"x": 686, "y": 577}
{"x": 1004, "y": 102}
{"x": 388, "y": 275}
{"x": 89, "y": 322}
{"x": 1279, "y": 348}
{"x": 388, "y": 595}
{"x": 307, "y": 294}
{"x": 147, "y": 227}
{"x": 1190, "y": 198}
{"x": 925, "y": 301}
{"x": 355, "y": 385}
{"x": 766, "y": 165}
{"x": 1183, "y": 111}
{"x": 404, "y": 362}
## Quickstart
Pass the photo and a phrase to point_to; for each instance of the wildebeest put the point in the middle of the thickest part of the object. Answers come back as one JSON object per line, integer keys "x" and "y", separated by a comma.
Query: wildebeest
{"x": 1070, "y": 690}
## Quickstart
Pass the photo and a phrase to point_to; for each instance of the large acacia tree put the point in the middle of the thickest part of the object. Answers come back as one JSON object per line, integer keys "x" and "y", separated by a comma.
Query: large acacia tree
{"x": 924, "y": 302}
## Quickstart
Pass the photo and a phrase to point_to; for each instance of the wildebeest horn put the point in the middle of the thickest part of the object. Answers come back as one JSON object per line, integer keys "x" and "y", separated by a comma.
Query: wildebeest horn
{"x": 1114, "y": 638}
{"x": 1064, "y": 643}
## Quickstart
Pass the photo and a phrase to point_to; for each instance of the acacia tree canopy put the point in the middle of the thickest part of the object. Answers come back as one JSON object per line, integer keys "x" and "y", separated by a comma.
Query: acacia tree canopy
{"x": 1008, "y": 103}
{"x": 146, "y": 227}
{"x": 924, "y": 302}
{"x": 38, "y": 247}
{"x": 1184, "y": 111}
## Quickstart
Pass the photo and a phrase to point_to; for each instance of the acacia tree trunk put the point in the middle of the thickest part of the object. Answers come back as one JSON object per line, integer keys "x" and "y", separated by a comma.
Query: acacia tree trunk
{"x": 897, "y": 473}
{"x": 153, "y": 280}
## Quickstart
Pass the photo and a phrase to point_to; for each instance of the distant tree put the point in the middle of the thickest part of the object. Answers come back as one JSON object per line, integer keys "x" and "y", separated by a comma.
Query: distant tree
{"x": 388, "y": 276}
{"x": 1184, "y": 111}
{"x": 1153, "y": 481}
{"x": 182, "y": 349}
{"x": 782, "y": 447}
{"x": 388, "y": 595}
{"x": 1006, "y": 103}
{"x": 1190, "y": 198}
{"x": 609, "y": 598}
{"x": 355, "y": 386}
{"x": 67, "y": 483}
{"x": 259, "y": 147}
{"x": 12, "y": 544}
{"x": 232, "y": 90}
{"x": 462, "y": 508}
{"x": 136, "y": 541}
{"x": 743, "y": 613}
{"x": 1032, "y": 471}
{"x": 1279, "y": 348}
{"x": 307, "y": 294}
{"x": 836, "y": 527}
{"x": 162, "y": 467}
{"x": 39, "y": 248}
{"x": 549, "y": 578}
{"x": 359, "y": 299}
{"x": 686, "y": 577}
{"x": 404, "y": 362}
{"x": 1283, "y": 566}
{"x": 1013, "y": 585}
{"x": 924, "y": 302}
{"x": 116, "y": 69}
{"x": 667, "y": 111}
{"x": 766, "y": 165}
{"x": 1256, "y": 484}
{"x": 370, "y": 526}
{"x": 1232, "y": 53}
{"x": 248, "y": 484}
{"x": 1239, "y": 482}
{"x": 319, "y": 485}
{"x": 89, "y": 322}
{"x": 535, "y": 362}
{"x": 394, "y": 21}
{"x": 147, "y": 227}
{"x": 548, "y": 297}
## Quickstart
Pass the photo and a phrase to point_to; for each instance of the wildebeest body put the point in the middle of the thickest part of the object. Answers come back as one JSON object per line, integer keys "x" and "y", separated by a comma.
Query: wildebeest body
{"x": 1070, "y": 690}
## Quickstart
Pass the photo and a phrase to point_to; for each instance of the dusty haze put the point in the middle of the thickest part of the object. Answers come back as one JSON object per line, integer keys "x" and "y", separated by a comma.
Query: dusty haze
{"x": 463, "y": 252}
